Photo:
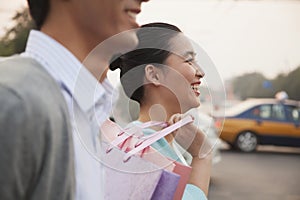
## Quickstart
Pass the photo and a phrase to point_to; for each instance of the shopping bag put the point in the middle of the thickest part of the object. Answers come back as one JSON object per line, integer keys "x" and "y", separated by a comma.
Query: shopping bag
{"x": 135, "y": 178}
{"x": 180, "y": 169}
{"x": 167, "y": 186}
{"x": 126, "y": 139}
{"x": 184, "y": 172}
{"x": 141, "y": 146}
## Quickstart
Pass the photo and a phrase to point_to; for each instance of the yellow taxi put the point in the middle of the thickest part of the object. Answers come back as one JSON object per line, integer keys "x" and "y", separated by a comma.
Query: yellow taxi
{"x": 261, "y": 122}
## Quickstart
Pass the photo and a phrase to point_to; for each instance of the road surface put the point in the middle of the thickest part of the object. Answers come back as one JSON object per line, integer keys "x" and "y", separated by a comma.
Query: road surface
{"x": 272, "y": 173}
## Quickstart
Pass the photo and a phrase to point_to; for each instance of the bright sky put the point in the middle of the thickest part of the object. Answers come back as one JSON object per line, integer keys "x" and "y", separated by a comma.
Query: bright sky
{"x": 240, "y": 36}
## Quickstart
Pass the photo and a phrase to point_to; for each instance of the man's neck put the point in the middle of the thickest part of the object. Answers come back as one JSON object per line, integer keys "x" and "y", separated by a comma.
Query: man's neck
{"x": 81, "y": 46}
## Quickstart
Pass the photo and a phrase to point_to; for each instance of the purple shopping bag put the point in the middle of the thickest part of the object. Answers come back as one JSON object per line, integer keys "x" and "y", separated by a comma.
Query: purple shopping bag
{"x": 166, "y": 186}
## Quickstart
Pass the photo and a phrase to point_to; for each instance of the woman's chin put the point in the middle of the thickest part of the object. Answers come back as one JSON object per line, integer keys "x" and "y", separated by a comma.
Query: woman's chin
{"x": 196, "y": 104}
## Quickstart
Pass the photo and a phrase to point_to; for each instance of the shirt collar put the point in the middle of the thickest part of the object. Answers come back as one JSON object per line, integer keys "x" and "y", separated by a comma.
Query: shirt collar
{"x": 67, "y": 69}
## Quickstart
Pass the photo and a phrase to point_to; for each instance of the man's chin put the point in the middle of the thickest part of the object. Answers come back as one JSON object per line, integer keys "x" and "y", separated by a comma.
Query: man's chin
{"x": 123, "y": 42}
{"x": 128, "y": 42}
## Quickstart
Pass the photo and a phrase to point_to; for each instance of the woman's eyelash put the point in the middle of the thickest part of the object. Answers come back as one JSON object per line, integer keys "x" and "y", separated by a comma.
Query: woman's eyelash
{"x": 189, "y": 60}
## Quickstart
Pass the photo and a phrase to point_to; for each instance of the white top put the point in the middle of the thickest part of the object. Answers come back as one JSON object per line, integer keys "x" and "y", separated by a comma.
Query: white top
{"x": 89, "y": 104}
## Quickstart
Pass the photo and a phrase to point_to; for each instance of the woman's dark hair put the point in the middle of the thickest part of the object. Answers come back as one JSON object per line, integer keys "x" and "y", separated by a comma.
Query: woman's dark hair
{"x": 153, "y": 48}
{"x": 38, "y": 10}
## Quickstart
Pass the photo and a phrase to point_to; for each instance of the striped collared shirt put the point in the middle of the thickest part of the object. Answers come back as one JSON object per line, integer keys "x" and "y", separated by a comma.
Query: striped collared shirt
{"x": 89, "y": 104}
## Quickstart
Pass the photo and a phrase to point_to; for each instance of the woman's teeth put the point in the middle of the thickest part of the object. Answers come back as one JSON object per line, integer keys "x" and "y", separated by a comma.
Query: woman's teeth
{"x": 196, "y": 88}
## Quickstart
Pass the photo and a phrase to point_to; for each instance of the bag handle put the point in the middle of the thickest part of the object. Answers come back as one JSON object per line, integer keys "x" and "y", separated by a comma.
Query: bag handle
{"x": 158, "y": 135}
{"x": 152, "y": 123}
{"x": 129, "y": 132}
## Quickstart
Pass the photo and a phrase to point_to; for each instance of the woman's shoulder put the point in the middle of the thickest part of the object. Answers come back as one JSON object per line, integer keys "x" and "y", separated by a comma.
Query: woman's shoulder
{"x": 146, "y": 131}
{"x": 192, "y": 192}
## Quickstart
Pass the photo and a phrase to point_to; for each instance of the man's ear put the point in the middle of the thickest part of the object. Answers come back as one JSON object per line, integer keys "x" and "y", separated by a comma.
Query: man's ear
{"x": 152, "y": 75}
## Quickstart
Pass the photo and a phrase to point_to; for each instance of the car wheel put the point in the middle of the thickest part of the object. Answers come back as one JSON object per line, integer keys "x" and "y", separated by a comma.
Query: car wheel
{"x": 246, "y": 141}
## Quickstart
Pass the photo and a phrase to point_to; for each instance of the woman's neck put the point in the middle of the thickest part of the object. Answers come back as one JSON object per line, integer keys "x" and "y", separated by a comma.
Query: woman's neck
{"x": 156, "y": 107}
{"x": 155, "y": 112}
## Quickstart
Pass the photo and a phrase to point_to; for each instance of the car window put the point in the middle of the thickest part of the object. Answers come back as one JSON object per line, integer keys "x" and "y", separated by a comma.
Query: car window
{"x": 293, "y": 113}
{"x": 265, "y": 111}
{"x": 278, "y": 112}
{"x": 274, "y": 112}
{"x": 254, "y": 112}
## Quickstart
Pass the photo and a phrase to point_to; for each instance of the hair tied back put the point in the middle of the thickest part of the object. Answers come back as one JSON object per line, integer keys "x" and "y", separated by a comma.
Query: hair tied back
{"x": 115, "y": 62}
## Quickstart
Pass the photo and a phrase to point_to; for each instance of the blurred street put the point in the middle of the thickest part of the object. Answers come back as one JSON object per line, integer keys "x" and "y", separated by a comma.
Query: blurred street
{"x": 271, "y": 173}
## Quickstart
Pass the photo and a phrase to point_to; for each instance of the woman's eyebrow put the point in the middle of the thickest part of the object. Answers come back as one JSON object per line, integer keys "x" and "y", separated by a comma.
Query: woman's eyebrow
{"x": 189, "y": 53}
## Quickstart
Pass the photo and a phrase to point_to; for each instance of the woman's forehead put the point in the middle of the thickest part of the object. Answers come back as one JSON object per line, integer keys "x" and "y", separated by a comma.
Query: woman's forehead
{"x": 181, "y": 45}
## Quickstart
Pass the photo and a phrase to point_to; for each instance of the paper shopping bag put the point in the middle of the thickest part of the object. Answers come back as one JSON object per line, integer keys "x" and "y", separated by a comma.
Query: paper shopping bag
{"x": 166, "y": 186}
{"x": 130, "y": 138}
{"x": 135, "y": 178}
{"x": 180, "y": 169}
{"x": 184, "y": 172}
{"x": 110, "y": 131}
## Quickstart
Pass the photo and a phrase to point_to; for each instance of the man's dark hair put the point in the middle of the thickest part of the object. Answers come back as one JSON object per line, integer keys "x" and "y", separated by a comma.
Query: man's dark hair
{"x": 39, "y": 10}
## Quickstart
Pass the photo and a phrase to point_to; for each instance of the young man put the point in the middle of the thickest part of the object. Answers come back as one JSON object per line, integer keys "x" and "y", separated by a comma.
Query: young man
{"x": 36, "y": 150}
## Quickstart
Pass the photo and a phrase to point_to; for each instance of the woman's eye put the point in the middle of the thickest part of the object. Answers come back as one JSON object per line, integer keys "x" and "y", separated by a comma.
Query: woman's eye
{"x": 190, "y": 61}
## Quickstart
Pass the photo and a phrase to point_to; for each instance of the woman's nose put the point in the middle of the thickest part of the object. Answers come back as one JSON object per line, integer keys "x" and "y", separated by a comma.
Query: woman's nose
{"x": 199, "y": 72}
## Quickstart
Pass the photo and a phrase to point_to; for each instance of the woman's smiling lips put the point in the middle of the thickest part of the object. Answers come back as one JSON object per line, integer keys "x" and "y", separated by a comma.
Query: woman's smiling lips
{"x": 196, "y": 87}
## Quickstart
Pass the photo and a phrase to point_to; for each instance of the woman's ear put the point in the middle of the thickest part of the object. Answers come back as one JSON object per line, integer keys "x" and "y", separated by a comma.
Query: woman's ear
{"x": 152, "y": 75}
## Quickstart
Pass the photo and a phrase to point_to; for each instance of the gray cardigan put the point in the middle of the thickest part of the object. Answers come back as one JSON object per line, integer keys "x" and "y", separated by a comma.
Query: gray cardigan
{"x": 36, "y": 146}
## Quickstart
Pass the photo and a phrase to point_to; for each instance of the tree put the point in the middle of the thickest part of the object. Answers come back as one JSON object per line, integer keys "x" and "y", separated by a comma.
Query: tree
{"x": 250, "y": 85}
{"x": 292, "y": 84}
{"x": 257, "y": 86}
{"x": 14, "y": 40}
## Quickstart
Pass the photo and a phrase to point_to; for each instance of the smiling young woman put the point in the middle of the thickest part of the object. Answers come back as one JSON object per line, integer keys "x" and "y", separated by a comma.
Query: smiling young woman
{"x": 162, "y": 75}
